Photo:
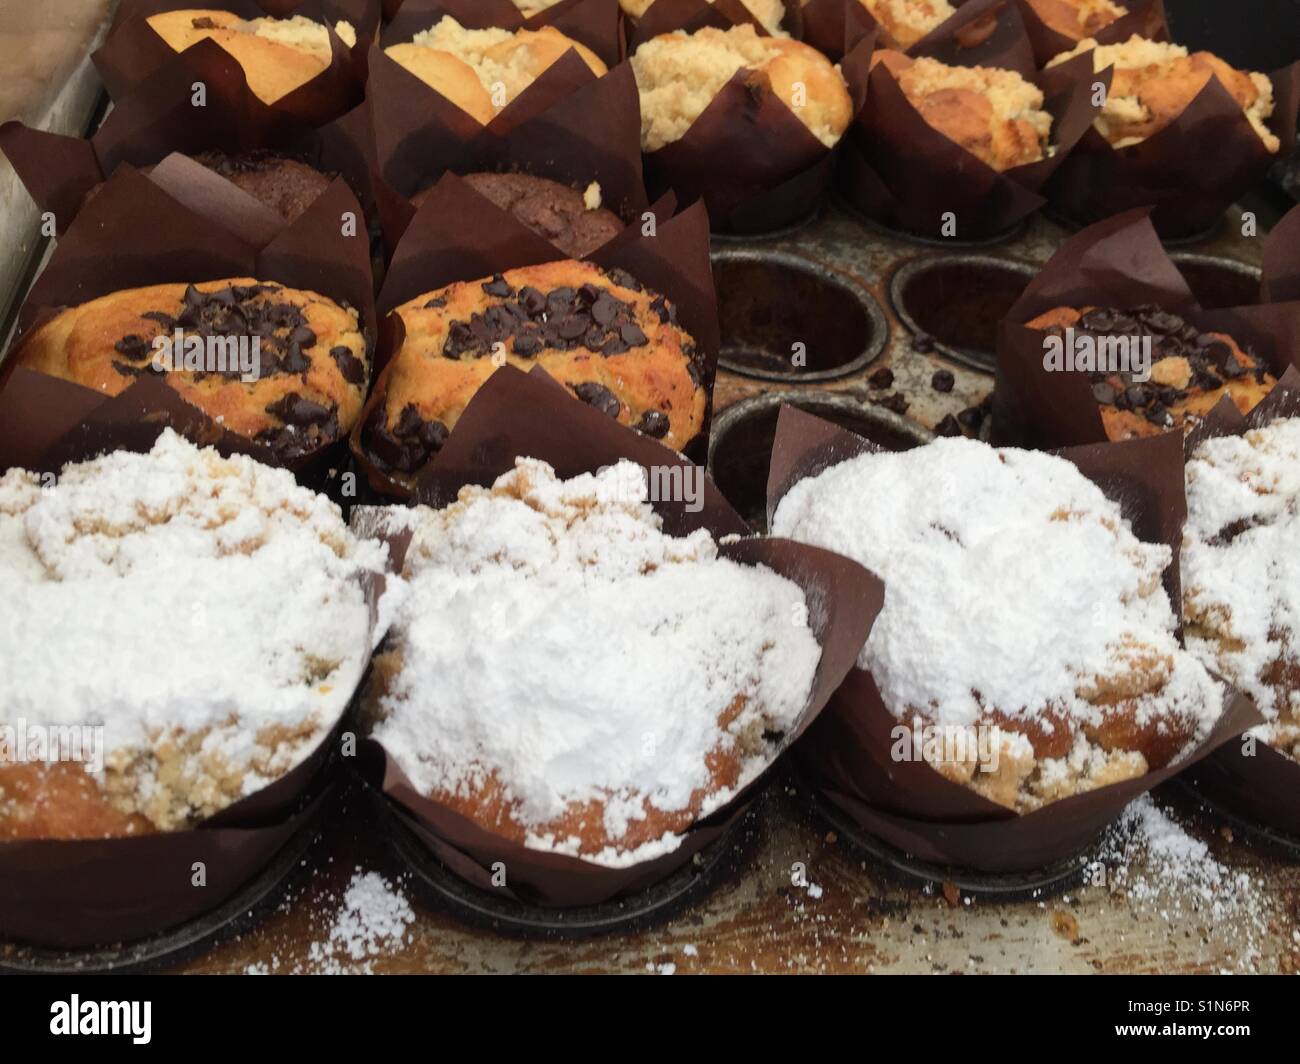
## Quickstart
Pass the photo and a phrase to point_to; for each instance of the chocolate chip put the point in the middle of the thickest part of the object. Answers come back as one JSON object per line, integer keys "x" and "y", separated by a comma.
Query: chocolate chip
{"x": 923, "y": 343}
{"x": 624, "y": 279}
{"x": 882, "y": 378}
{"x": 653, "y": 423}
{"x": 295, "y": 409}
{"x": 600, "y": 397}
{"x": 351, "y": 367}
{"x": 133, "y": 347}
{"x": 498, "y": 287}
{"x": 948, "y": 426}
{"x": 1104, "y": 393}
{"x": 1137, "y": 395}
{"x": 436, "y": 303}
{"x": 897, "y": 403}
{"x": 632, "y": 336}
{"x": 942, "y": 381}
{"x": 971, "y": 419}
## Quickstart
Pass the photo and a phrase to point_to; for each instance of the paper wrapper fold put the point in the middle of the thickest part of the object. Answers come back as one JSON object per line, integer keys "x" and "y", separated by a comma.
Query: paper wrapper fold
{"x": 517, "y": 414}
{"x": 668, "y": 16}
{"x": 900, "y": 171}
{"x": 1281, "y": 276}
{"x": 157, "y": 118}
{"x": 980, "y": 33}
{"x": 181, "y": 224}
{"x": 1146, "y": 18}
{"x": 907, "y": 803}
{"x": 480, "y": 240}
{"x": 133, "y": 51}
{"x": 1120, "y": 263}
{"x": 1264, "y": 785}
{"x": 574, "y": 128}
{"x": 1190, "y": 172}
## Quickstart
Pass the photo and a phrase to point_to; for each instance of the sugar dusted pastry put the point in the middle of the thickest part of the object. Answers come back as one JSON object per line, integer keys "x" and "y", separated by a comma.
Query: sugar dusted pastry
{"x": 190, "y": 628}
{"x": 1241, "y": 570}
{"x": 482, "y": 71}
{"x": 568, "y": 676}
{"x": 1154, "y": 82}
{"x": 1018, "y": 604}
{"x": 996, "y": 115}
{"x": 679, "y": 74}
{"x": 768, "y": 12}
{"x": 277, "y": 54}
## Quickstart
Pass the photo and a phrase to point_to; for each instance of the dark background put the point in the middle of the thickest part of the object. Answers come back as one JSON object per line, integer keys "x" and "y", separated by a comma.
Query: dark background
{"x": 1255, "y": 34}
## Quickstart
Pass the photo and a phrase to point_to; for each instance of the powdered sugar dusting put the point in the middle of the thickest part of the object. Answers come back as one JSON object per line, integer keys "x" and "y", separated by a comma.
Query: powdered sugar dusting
{"x": 372, "y": 921}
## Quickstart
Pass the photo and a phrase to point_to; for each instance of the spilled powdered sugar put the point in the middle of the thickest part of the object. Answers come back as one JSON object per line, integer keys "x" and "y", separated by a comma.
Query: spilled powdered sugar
{"x": 554, "y": 637}
{"x": 1010, "y": 582}
{"x": 373, "y": 920}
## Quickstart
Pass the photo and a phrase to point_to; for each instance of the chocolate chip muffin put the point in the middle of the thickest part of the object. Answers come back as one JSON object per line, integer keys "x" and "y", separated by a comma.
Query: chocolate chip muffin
{"x": 612, "y": 342}
{"x": 284, "y": 367}
{"x": 1190, "y": 371}
{"x": 573, "y": 221}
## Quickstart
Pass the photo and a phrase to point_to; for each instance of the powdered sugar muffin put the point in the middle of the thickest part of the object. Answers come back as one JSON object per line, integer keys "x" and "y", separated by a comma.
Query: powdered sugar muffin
{"x": 680, "y": 73}
{"x": 769, "y": 13}
{"x": 996, "y": 115}
{"x": 1076, "y": 19}
{"x": 1154, "y": 82}
{"x": 567, "y": 676}
{"x": 178, "y": 630}
{"x": 1022, "y": 618}
{"x": 277, "y": 54}
{"x": 482, "y": 71}
{"x": 1241, "y": 570}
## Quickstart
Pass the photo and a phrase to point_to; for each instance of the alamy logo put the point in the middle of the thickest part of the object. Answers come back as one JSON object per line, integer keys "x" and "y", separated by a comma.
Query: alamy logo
{"x": 226, "y": 355}
{"x": 44, "y": 744}
{"x": 1085, "y": 353}
{"x": 77, "y": 1017}
{"x": 663, "y": 483}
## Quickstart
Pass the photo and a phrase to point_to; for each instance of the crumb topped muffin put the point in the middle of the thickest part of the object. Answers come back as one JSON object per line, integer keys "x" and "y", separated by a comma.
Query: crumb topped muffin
{"x": 1155, "y": 81}
{"x": 679, "y": 74}
{"x": 1022, "y": 617}
{"x": 193, "y": 625}
{"x": 769, "y": 13}
{"x": 1076, "y": 19}
{"x": 1241, "y": 570}
{"x": 625, "y": 682}
{"x": 907, "y": 21}
{"x": 996, "y": 115}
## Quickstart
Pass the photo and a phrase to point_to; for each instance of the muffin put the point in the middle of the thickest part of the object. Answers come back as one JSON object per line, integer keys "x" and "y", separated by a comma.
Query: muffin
{"x": 285, "y": 184}
{"x": 679, "y": 74}
{"x": 769, "y": 13}
{"x": 907, "y": 21}
{"x": 277, "y": 54}
{"x": 1189, "y": 371}
{"x": 1241, "y": 570}
{"x": 996, "y": 115}
{"x": 1026, "y": 637}
{"x": 625, "y": 682}
{"x": 284, "y": 367}
{"x": 1076, "y": 19}
{"x": 180, "y": 630}
{"x": 612, "y": 342}
{"x": 572, "y": 220}
{"x": 482, "y": 71}
{"x": 1154, "y": 82}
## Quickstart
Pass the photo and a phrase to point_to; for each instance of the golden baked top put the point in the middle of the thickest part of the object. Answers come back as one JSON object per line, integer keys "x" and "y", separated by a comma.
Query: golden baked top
{"x": 1076, "y": 19}
{"x": 282, "y": 366}
{"x": 907, "y": 21}
{"x": 768, "y": 12}
{"x": 996, "y": 115}
{"x": 1155, "y": 81}
{"x": 277, "y": 54}
{"x": 482, "y": 71}
{"x": 679, "y": 74}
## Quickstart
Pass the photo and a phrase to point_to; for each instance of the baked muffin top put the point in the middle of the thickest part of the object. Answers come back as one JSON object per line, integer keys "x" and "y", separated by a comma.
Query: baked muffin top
{"x": 203, "y": 614}
{"x": 996, "y": 115}
{"x": 768, "y": 12}
{"x": 624, "y": 684}
{"x": 1017, "y": 599}
{"x": 285, "y": 367}
{"x": 1076, "y": 19}
{"x": 679, "y": 74}
{"x": 287, "y": 185}
{"x": 1241, "y": 569}
{"x": 1155, "y": 81}
{"x": 907, "y": 21}
{"x": 1189, "y": 371}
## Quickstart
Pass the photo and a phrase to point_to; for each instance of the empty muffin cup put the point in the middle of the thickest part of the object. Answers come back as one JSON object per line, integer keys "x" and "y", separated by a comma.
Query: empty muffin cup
{"x": 1217, "y": 282}
{"x": 741, "y": 445}
{"x": 955, "y": 302}
{"x": 786, "y": 318}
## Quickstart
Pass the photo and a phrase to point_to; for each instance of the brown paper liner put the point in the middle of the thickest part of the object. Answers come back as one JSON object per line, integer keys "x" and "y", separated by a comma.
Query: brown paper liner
{"x": 516, "y": 414}
{"x": 77, "y": 894}
{"x": 1119, "y": 262}
{"x": 156, "y": 119}
{"x": 1190, "y": 172}
{"x": 595, "y": 23}
{"x": 1146, "y": 18}
{"x": 1262, "y": 787}
{"x": 673, "y": 263}
{"x": 185, "y": 224}
{"x": 899, "y": 170}
{"x": 981, "y": 33}
{"x": 908, "y": 803}
{"x": 132, "y": 51}
{"x": 591, "y": 132}
{"x": 1280, "y": 282}
{"x": 668, "y": 16}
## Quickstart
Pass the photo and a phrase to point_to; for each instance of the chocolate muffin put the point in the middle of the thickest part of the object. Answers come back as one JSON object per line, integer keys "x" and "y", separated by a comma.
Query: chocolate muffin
{"x": 613, "y": 343}
{"x": 286, "y": 185}
{"x": 573, "y": 221}
{"x": 284, "y": 367}
{"x": 1190, "y": 370}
